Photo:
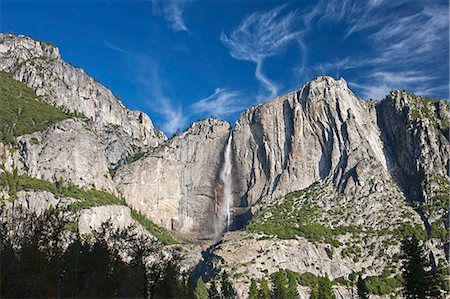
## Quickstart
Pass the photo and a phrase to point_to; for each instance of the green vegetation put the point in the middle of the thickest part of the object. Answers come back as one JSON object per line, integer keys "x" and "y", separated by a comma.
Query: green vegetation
{"x": 200, "y": 291}
{"x": 377, "y": 285}
{"x": 162, "y": 234}
{"x": 418, "y": 281}
{"x": 362, "y": 290}
{"x": 439, "y": 231}
{"x": 71, "y": 226}
{"x": 264, "y": 291}
{"x": 425, "y": 107}
{"x": 408, "y": 230}
{"x": 15, "y": 182}
{"x": 352, "y": 251}
{"x": 285, "y": 284}
{"x": 280, "y": 285}
{"x": 55, "y": 271}
{"x": 382, "y": 285}
{"x": 323, "y": 289}
{"x": 213, "y": 293}
{"x": 342, "y": 281}
{"x": 86, "y": 199}
{"x": 307, "y": 279}
{"x": 22, "y": 111}
{"x": 226, "y": 289}
{"x": 290, "y": 219}
{"x": 292, "y": 285}
{"x": 253, "y": 290}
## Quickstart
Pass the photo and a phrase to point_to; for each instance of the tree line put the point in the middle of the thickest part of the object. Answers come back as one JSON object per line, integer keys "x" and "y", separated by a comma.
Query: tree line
{"x": 37, "y": 266}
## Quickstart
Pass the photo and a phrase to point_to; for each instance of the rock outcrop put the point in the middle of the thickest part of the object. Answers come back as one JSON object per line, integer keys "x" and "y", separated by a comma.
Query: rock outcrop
{"x": 416, "y": 138}
{"x": 39, "y": 65}
{"x": 177, "y": 184}
{"x": 67, "y": 150}
{"x": 323, "y": 132}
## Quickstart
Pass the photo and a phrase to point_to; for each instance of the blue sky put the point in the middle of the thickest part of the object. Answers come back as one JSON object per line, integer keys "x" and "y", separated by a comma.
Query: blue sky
{"x": 180, "y": 61}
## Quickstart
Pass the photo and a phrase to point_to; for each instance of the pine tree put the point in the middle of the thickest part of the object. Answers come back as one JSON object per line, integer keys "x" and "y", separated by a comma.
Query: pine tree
{"x": 213, "y": 293}
{"x": 227, "y": 290}
{"x": 201, "y": 292}
{"x": 264, "y": 291}
{"x": 362, "y": 290}
{"x": 418, "y": 282}
{"x": 292, "y": 285}
{"x": 280, "y": 283}
{"x": 253, "y": 291}
{"x": 13, "y": 182}
{"x": 323, "y": 290}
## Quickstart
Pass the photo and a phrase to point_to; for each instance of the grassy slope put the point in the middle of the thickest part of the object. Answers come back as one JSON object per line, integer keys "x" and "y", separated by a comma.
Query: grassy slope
{"x": 22, "y": 111}
{"x": 86, "y": 199}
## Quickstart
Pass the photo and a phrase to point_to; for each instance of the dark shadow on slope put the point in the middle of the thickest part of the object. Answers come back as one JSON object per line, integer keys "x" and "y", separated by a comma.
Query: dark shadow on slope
{"x": 206, "y": 268}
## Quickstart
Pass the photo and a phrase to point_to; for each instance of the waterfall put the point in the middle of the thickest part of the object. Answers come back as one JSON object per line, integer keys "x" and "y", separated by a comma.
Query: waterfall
{"x": 223, "y": 217}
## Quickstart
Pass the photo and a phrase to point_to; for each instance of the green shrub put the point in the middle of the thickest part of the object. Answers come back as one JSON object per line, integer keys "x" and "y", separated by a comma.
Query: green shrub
{"x": 439, "y": 231}
{"x": 90, "y": 198}
{"x": 342, "y": 281}
{"x": 71, "y": 226}
{"x": 87, "y": 198}
{"x": 307, "y": 279}
{"x": 382, "y": 285}
{"x": 408, "y": 230}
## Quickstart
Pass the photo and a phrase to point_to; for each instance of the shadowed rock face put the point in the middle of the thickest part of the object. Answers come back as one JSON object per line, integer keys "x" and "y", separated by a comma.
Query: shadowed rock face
{"x": 416, "y": 140}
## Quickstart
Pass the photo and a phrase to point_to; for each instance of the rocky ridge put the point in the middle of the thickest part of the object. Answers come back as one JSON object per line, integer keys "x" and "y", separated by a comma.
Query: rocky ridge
{"x": 369, "y": 166}
{"x": 40, "y": 66}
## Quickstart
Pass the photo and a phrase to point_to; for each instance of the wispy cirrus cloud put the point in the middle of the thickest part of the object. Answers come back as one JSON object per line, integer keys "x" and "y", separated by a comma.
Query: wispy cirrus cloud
{"x": 172, "y": 12}
{"x": 262, "y": 35}
{"x": 385, "y": 81}
{"x": 148, "y": 76}
{"x": 407, "y": 43}
{"x": 114, "y": 47}
{"x": 146, "y": 73}
{"x": 173, "y": 116}
{"x": 221, "y": 103}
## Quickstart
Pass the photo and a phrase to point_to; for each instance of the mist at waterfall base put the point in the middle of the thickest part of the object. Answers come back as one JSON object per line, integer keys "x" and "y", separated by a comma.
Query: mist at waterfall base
{"x": 222, "y": 219}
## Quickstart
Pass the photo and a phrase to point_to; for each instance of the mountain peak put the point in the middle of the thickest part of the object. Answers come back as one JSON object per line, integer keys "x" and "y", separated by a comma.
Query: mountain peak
{"x": 26, "y": 47}
{"x": 328, "y": 89}
{"x": 328, "y": 82}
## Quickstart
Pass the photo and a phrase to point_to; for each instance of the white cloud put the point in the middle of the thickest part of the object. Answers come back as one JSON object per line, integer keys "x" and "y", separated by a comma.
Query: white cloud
{"x": 172, "y": 12}
{"x": 380, "y": 83}
{"x": 262, "y": 35}
{"x": 407, "y": 43}
{"x": 418, "y": 36}
{"x": 153, "y": 86}
{"x": 114, "y": 47}
{"x": 175, "y": 118}
{"x": 221, "y": 102}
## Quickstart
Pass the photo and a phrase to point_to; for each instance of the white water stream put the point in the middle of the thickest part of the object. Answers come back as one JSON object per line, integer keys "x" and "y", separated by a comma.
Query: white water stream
{"x": 223, "y": 217}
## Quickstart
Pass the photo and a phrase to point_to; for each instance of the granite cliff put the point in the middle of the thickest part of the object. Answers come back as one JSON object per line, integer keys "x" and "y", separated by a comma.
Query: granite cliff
{"x": 362, "y": 173}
